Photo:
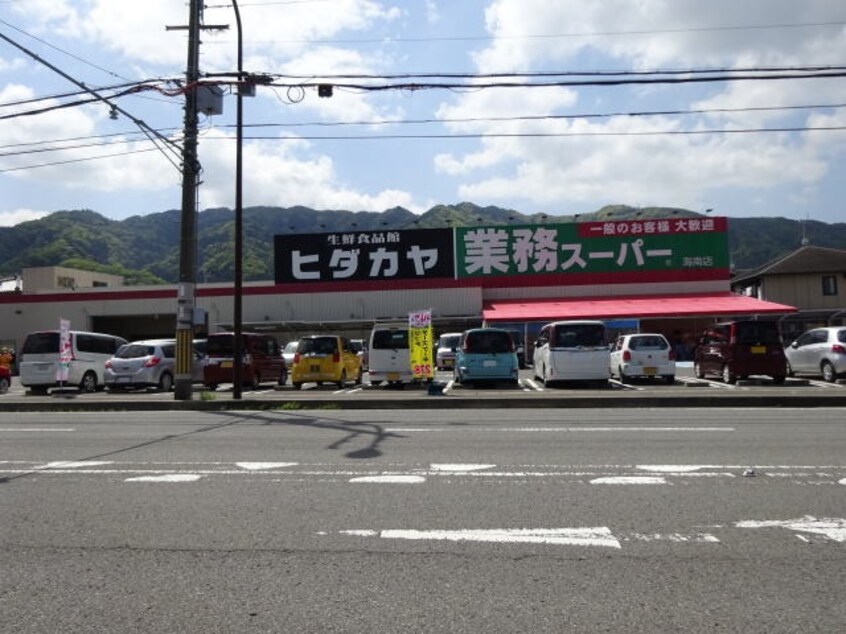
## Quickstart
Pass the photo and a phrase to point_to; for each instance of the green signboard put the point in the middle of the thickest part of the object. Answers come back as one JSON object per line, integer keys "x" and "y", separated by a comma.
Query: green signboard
{"x": 624, "y": 247}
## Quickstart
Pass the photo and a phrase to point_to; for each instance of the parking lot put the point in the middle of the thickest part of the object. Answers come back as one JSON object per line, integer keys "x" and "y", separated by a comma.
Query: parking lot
{"x": 686, "y": 387}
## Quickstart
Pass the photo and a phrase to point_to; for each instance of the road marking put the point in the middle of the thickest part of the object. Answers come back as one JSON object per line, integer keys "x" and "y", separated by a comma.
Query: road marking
{"x": 43, "y": 429}
{"x": 673, "y": 468}
{"x": 627, "y": 386}
{"x": 460, "y": 467}
{"x": 170, "y": 477}
{"x": 533, "y": 385}
{"x": 511, "y": 430}
{"x": 390, "y": 479}
{"x": 832, "y": 528}
{"x": 82, "y": 464}
{"x": 257, "y": 466}
{"x": 592, "y": 536}
{"x": 698, "y": 538}
{"x": 450, "y": 384}
{"x": 630, "y": 480}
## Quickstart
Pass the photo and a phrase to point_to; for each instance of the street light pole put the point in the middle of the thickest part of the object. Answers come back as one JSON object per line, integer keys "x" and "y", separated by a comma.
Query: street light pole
{"x": 238, "y": 361}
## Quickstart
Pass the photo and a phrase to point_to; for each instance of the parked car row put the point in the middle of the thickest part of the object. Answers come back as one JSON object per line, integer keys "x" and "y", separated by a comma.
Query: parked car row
{"x": 565, "y": 351}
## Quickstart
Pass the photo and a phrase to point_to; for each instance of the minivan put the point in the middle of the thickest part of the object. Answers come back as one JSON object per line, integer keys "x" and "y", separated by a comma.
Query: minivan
{"x": 262, "y": 360}
{"x": 486, "y": 354}
{"x": 39, "y": 362}
{"x": 325, "y": 359}
{"x": 389, "y": 358}
{"x": 574, "y": 350}
{"x": 739, "y": 349}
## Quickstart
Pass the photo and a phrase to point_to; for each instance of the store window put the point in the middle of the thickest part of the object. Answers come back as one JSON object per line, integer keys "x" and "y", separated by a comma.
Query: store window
{"x": 829, "y": 285}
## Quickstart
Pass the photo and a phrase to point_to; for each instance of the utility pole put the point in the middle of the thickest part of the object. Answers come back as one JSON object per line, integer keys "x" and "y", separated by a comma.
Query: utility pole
{"x": 188, "y": 235}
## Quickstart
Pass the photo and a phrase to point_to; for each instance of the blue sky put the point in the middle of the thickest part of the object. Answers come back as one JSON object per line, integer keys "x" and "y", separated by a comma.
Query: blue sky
{"x": 555, "y": 150}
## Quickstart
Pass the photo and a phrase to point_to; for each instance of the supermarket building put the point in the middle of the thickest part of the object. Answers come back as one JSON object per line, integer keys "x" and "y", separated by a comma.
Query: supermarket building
{"x": 670, "y": 276}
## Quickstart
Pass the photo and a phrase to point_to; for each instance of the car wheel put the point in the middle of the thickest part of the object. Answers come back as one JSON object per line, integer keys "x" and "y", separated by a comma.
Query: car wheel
{"x": 211, "y": 387}
{"x": 456, "y": 376}
{"x": 728, "y": 377}
{"x": 283, "y": 377}
{"x": 88, "y": 383}
{"x": 375, "y": 383}
{"x": 343, "y": 380}
{"x": 4, "y": 385}
{"x": 256, "y": 382}
{"x": 778, "y": 380}
{"x": 297, "y": 385}
{"x": 790, "y": 371}
{"x": 165, "y": 382}
{"x": 697, "y": 370}
{"x": 38, "y": 389}
{"x": 359, "y": 377}
{"x": 622, "y": 374}
{"x": 828, "y": 372}
{"x": 670, "y": 378}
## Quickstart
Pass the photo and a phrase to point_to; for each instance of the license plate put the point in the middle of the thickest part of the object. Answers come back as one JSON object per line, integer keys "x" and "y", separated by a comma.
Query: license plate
{"x": 123, "y": 379}
{"x": 225, "y": 364}
{"x": 759, "y": 349}
{"x": 314, "y": 369}
{"x": 649, "y": 370}
{"x": 393, "y": 376}
{"x": 448, "y": 363}
{"x": 488, "y": 364}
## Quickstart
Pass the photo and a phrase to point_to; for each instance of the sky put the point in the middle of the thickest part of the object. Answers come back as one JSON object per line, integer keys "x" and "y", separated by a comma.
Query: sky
{"x": 742, "y": 148}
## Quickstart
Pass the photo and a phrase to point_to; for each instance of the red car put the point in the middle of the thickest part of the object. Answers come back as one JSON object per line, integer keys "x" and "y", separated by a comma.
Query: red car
{"x": 5, "y": 379}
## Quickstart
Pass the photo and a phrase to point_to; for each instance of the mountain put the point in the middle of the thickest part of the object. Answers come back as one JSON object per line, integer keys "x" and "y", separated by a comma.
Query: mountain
{"x": 145, "y": 249}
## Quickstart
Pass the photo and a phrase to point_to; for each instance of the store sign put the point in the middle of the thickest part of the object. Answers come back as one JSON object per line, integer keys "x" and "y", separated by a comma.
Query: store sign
{"x": 592, "y": 247}
{"x": 697, "y": 247}
{"x": 65, "y": 351}
{"x": 364, "y": 255}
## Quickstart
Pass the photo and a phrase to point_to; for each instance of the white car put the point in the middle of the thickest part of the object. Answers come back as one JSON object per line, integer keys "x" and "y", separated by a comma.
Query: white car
{"x": 643, "y": 355}
{"x": 821, "y": 351}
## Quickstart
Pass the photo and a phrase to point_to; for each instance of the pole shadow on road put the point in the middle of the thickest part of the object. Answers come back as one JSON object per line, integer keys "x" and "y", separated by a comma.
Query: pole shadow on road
{"x": 376, "y": 433}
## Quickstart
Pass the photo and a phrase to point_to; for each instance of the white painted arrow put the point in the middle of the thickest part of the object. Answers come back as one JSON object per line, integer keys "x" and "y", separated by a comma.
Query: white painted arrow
{"x": 258, "y": 466}
{"x": 590, "y": 536}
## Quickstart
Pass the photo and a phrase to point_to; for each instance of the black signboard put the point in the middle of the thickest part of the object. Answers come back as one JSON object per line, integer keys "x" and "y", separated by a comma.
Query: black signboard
{"x": 364, "y": 255}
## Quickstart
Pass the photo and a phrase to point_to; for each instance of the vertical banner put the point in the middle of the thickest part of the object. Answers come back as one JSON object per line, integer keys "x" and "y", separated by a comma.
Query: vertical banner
{"x": 65, "y": 351}
{"x": 420, "y": 344}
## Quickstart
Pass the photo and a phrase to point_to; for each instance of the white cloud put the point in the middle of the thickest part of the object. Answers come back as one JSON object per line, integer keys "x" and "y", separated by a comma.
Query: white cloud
{"x": 17, "y": 216}
{"x": 274, "y": 174}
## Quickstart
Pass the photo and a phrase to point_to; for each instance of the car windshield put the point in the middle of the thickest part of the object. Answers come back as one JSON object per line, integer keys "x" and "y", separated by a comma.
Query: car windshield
{"x": 488, "y": 342}
{"x": 317, "y": 345}
{"x": 390, "y": 339}
{"x": 41, "y": 342}
{"x": 221, "y": 345}
{"x": 841, "y": 336}
{"x": 135, "y": 351}
{"x": 579, "y": 336}
{"x": 757, "y": 332}
{"x": 356, "y": 345}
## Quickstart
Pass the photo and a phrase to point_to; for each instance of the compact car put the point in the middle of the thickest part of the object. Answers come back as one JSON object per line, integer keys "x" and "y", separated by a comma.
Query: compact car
{"x": 820, "y": 351}
{"x": 644, "y": 355}
{"x": 325, "y": 359}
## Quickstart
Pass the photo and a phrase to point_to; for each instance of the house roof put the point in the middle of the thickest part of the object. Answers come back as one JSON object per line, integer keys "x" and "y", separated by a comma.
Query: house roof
{"x": 805, "y": 259}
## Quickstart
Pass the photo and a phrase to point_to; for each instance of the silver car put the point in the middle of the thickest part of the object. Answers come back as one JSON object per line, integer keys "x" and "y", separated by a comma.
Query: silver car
{"x": 819, "y": 351}
{"x": 148, "y": 363}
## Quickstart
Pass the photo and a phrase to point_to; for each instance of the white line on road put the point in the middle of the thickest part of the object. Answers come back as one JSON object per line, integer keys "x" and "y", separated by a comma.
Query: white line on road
{"x": 257, "y": 466}
{"x": 389, "y": 479}
{"x": 533, "y": 385}
{"x": 171, "y": 477}
{"x": 630, "y": 480}
{"x": 833, "y": 528}
{"x": 591, "y": 536}
{"x": 511, "y": 430}
{"x": 43, "y": 429}
{"x": 460, "y": 467}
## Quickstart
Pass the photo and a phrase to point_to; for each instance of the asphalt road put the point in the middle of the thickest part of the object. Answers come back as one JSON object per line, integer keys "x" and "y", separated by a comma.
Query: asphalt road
{"x": 591, "y": 520}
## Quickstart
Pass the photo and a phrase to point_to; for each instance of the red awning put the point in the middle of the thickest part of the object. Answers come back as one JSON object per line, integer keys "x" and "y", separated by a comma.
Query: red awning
{"x": 641, "y": 306}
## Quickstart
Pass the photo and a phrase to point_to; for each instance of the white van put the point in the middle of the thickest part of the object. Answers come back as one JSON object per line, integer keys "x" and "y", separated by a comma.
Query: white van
{"x": 389, "y": 358}
{"x": 39, "y": 359}
{"x": 572, "y": 351}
